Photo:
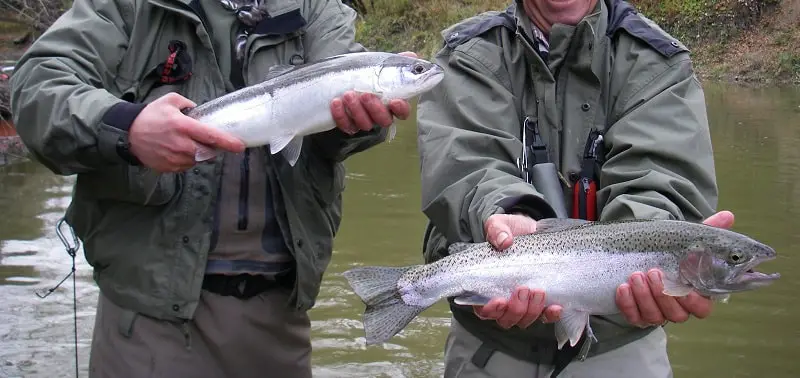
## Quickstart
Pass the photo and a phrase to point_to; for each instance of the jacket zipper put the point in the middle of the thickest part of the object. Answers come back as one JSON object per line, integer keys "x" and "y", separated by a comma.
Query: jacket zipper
{"x": 244, "y": 186}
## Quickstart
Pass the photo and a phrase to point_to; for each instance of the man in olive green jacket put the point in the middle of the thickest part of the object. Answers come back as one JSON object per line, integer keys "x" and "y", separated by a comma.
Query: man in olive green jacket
{"x": 213, "y": 275}
{"x": 605, "y": 95}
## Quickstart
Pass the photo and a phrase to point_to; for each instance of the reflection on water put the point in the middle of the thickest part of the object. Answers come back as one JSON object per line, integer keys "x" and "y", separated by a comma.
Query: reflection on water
{"x": 756, "y": 134}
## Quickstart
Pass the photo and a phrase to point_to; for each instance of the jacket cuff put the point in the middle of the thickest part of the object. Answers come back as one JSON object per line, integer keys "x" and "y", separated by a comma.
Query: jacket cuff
{"x": 528, "y": 204}
{"x": 122, "y": 115}
{"x": 112, "y": 134}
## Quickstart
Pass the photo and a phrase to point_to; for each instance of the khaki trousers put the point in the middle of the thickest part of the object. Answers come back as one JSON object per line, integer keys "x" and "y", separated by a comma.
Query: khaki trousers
{"x": 229, "y": 337}
{"x": 643, "y": 358}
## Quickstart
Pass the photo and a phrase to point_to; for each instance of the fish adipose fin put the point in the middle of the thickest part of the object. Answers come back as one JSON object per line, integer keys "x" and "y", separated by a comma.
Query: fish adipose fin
{"x": 386, "y": 313}
{"x": 571, "y": 326}
{"x": 288, "y": 145}
{"x": 471, "y": 299}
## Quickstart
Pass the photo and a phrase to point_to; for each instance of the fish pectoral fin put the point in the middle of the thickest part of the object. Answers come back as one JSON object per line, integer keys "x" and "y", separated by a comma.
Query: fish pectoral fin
{"x": 203, "y": 153}
{"x": 674, "y": 288}
{"x": 558, "y": 224}
{"x": 278, "y": 70}
{"x": 721, "y": 298}
{"x": 471, "y": 299}
{"x": 571, "y": 326}
{"x": 392, "y": 132}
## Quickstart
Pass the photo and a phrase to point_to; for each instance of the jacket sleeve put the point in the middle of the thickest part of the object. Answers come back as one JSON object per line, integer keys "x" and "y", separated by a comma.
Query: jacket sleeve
{"x": 659, "y": 162}
{"x": 469, "y": 139}
{"x": 62, "y": 89}
{"x": 331, "y": 31}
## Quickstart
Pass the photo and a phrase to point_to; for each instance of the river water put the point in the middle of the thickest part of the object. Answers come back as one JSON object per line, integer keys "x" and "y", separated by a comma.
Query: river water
{"x": 756, "y": 135}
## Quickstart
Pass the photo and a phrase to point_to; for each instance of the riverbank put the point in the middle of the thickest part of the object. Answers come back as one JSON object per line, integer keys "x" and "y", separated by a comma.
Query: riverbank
{"x": 755, "y": 42}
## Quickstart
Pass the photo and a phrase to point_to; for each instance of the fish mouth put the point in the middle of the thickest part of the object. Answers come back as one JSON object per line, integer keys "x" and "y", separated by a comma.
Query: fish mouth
{"x": 750, "y": 277}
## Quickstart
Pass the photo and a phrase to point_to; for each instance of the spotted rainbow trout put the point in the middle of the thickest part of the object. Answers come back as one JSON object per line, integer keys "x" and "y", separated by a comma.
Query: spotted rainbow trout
{"x": 578, "y": 264}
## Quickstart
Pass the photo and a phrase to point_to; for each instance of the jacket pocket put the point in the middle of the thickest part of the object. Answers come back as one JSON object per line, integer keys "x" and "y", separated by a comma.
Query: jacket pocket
{"x": 129, "y": 184}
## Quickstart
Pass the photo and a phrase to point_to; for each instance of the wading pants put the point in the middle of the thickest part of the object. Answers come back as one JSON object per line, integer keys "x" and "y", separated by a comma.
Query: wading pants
{"x": 229, "y": 338}
{"x": 643, "y": 358}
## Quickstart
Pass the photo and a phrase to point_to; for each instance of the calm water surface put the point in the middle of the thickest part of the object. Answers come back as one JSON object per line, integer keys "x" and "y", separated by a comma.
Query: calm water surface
{"x": 756, "y": 135}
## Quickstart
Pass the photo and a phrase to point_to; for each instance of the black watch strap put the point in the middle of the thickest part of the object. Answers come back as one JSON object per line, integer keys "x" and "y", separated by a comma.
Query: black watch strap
{"x": 124, "y": 151}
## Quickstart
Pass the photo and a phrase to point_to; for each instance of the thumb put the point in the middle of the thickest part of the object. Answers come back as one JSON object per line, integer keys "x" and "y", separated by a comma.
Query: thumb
{"x": 722, "y": 219}
{"x": 498, "y": 231}
{"x": 178, "y": 101}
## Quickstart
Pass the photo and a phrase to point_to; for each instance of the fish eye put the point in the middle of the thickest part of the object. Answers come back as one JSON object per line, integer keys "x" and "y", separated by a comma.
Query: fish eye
{"x": 418, "y": 69}
{"x": 735, "y": 257}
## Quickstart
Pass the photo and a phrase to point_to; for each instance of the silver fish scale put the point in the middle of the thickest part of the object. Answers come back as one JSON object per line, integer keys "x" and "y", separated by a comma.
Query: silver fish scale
{"x": 580, "y": 269}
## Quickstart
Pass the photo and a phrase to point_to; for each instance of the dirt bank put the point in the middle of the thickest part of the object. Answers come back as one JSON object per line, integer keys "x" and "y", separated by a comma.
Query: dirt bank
{"x": 744, "y": 41}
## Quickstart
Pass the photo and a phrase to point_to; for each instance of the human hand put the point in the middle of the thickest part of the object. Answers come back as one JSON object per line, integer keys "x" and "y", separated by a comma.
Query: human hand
{"x": 525, "y": 305}
{"x": 165, "y": 140}
{"x": 366, "y": 110}
{"x": 643, "y": 303}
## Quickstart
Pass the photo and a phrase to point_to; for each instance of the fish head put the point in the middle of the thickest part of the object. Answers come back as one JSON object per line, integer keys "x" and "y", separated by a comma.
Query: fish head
{"x": 403, "y": 77}
{"x": 720, "y": 261}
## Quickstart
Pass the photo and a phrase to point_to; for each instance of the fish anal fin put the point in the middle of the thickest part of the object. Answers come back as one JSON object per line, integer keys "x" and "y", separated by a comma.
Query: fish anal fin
{"x": 571, "y": 327}
{"x": 471, "y": 299}
{"x": 457, "y": 247}
{"x": 292, "y": 150}
{"x": 675, "y": 288}
{"x": 278, "y": 70}
{"x": 558, "y": 224}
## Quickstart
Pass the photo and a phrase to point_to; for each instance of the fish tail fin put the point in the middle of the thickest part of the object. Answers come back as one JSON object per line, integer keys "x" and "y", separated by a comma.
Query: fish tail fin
{"x": 386, "y": 313}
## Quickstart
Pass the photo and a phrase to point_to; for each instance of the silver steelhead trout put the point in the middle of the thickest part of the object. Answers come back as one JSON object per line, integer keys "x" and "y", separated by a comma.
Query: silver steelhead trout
{"x": 578, "y": 264}
{"x": 294, "y": 101}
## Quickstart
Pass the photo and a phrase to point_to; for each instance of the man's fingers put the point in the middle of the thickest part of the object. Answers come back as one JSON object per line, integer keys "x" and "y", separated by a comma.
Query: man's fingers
{"x": 644, "y": 299}
{"x": 722, "y": 219}
{"x": 211, "y": 137}
{"x": 534, "y": 310}
{"x": 357, "y": 111}
{"x": 492, "y": 310}
{"x": 627, "y": 304}
{"x": 668, "y": 305}
{"x": 697, "y": 305}
{"x": 400, "y": 108}
{"x": 341, "y": 118}
{"x": 516, "y": 308}
{"x": 408, "y": 53}
{"x": 377, "y": 111}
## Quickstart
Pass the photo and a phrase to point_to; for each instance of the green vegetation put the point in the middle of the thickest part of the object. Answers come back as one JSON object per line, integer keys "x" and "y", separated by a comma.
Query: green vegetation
{"x": 736, "y": 40}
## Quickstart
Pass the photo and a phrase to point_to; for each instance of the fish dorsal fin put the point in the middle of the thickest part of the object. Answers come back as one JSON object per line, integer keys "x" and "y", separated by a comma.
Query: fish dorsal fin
{"x": 457, "y": 248}
{"x": 278, "y": 70}
{"x": 558, "y": 224}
